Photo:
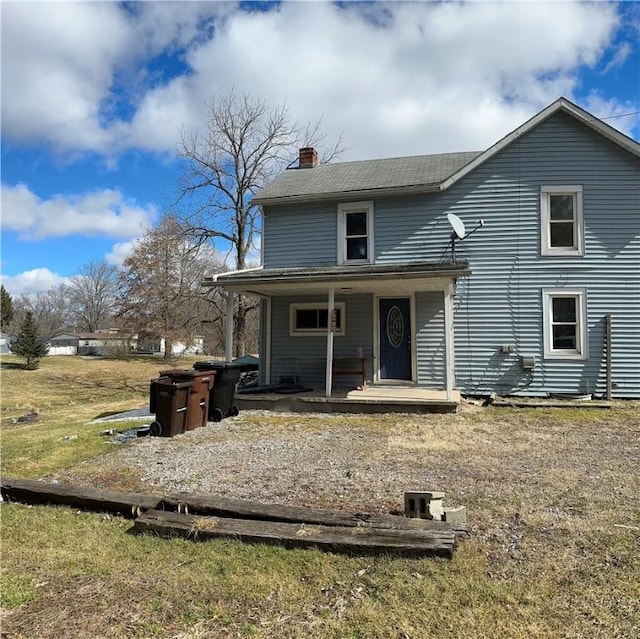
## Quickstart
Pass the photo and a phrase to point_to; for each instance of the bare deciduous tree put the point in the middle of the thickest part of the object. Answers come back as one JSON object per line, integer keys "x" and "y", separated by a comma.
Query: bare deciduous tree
{"x": 245, "y": 145}
{"x": 93, "y": 290}
{"x": 159, "y": 289}
{"x": 51, "y": 310}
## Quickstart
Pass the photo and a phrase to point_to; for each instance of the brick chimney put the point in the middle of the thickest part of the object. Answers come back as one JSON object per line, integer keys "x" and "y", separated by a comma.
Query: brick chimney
{"x": 308, "y": 158}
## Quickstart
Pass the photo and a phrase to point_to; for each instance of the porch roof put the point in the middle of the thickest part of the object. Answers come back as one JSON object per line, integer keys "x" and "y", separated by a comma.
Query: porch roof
{"x": 369, "y": 278}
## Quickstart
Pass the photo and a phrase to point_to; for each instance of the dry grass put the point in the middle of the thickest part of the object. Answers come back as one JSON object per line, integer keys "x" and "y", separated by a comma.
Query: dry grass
{"x": 68, "y": 392}
{"x": 553, "y": 505}
{"x": 200, "y": 525}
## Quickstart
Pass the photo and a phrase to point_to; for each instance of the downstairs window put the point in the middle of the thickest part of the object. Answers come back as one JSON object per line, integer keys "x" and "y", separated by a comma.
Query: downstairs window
{"x": 312, "y": 318}
{"x": 565, "y": 323}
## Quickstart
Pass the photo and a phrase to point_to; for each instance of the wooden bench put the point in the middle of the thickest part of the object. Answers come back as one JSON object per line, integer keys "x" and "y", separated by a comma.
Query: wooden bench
{"x": 352, "y": 366}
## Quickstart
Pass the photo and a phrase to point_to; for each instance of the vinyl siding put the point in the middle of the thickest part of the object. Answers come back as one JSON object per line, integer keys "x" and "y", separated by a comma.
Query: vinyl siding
{"x": 306, "y": 356}
{"x": 501, "y": 303}
{"x": 430, "y": 348}
{"x": 302, "y": 235}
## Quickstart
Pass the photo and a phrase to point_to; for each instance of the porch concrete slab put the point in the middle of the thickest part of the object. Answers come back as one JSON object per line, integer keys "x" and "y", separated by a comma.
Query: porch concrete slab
{"x": 402, "y": 393}
{"x": 371, "y": 400}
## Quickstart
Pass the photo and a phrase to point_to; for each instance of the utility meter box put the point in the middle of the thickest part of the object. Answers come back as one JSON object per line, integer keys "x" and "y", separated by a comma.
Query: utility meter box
{"x": 528, "y": 362}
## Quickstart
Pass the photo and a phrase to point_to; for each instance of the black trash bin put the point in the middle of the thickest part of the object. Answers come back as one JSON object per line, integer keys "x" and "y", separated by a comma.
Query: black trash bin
{"x": 222, "y": 395}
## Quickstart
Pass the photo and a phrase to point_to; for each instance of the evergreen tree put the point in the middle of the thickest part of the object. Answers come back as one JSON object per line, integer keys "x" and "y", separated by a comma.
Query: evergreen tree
{"x": 30, "y": 344}
{"x": 6, "y": 306}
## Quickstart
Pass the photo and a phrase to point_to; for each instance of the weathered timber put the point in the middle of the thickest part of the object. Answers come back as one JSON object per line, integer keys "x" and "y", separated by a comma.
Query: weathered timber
{"x": 507, "y": 403}
{"x": 38, "y": 492}
{"x": 360, "y": 540}
{"x": 194, "y": 503}
{"x": 133, "y": 504}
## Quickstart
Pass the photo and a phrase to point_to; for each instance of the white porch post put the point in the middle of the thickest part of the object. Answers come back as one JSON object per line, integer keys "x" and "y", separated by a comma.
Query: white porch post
{"x": 267, "y": 346}
{"x": 329, "y": 375}
{"x": 229, "y": 333}
{"x": 449, "y": 346}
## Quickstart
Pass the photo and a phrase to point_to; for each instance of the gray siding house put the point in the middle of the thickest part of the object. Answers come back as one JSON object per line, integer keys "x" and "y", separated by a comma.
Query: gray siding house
{"x": 358, "y": 266}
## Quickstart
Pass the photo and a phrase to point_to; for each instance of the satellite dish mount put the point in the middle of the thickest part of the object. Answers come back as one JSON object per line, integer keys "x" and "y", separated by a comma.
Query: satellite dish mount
{"x": 459, "y": 232}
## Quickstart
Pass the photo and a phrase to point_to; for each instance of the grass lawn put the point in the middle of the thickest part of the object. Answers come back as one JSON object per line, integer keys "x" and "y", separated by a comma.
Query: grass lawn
{"x": 554, "y": 511}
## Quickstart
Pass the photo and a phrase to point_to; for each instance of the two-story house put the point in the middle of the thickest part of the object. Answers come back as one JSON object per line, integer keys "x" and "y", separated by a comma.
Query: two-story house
{"x": 357, "y": 260}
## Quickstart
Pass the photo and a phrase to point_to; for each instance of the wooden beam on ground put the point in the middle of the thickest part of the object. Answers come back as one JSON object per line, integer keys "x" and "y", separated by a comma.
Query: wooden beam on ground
{"x": 514, "y": 403}
{"x": 194, "y": 503}
{"x": 133, "y": 504}
{"x": 32, "y": 491}
{"x": 360, "y": 539}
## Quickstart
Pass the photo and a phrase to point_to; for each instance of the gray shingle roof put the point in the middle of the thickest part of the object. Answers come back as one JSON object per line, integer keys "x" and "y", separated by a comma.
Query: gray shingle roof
{"x": 420, "y": 173}
{"x": 365, "y": 176}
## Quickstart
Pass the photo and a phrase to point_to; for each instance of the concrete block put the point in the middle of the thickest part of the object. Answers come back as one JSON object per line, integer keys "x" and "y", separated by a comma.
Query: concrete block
{"x": 424, "y": 505}
{"x": 455, "y": 515}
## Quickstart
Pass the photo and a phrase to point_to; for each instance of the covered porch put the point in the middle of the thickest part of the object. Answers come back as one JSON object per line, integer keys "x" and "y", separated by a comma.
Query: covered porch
{"x": 382, "y": 332}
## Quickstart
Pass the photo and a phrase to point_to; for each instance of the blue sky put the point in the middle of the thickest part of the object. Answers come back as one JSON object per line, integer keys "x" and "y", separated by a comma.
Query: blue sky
{"x": 94, "y": 95}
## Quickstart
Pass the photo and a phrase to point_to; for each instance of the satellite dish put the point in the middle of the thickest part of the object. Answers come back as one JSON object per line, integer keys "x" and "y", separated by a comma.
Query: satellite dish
{"x": 457, "y": 225}
{"x": 459, "y": 232}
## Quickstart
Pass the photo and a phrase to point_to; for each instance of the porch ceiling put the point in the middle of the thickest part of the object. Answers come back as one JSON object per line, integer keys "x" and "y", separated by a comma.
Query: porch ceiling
{"x": 377, "y": 279}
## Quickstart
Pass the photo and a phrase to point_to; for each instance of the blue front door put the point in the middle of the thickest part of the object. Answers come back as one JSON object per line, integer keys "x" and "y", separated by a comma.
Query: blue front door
{"x": 395, "y": 339}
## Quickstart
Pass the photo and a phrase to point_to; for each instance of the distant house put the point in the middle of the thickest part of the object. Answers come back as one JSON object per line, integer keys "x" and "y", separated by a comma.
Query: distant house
{"x": 105, "y": 342}
{"x": 109, "y": 341}
{"x": 4, "y": 344}
{"x": 64, "y": 344}
{"x": 101, "y": 342}
{"x": 369, "y": 259}
{"x": 194, "y": 347}
{"x": 150, "y": 343}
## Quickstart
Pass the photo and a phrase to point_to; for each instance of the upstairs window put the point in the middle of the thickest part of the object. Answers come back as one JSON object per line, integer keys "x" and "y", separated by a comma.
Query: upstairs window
{"x": 355, "y": 233}
{"x": 565, "y": 320}
{"x": 562, "y": 220}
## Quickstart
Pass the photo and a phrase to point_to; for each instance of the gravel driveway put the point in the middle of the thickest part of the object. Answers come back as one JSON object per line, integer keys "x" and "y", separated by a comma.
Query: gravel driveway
{"x": 362, "y": 462}
{"x": 367, "y": 462}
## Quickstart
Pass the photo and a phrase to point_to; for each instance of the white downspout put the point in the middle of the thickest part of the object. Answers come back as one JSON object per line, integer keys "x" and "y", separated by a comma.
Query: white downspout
{"x": 329, "y": 375}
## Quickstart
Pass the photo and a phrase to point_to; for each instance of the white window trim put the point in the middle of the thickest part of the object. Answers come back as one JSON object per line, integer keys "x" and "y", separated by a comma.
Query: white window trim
{"x": 306, "y": 332}
{"x": 578, "y": 221}
{"x": 354, "y": 207}
{"x": 548, "y": 294}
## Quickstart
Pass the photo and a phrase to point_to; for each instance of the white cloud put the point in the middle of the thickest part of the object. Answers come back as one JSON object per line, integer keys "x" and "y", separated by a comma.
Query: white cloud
{"x": 163, "y": 113}
{"x": 436, "y": 77}
{"x": 397, "y": 78}
{"x": 618, "y": 58}
{"x": 62, "y": 61}
{"x": 177, "y": 24}
{"x": 120, "y": 252}
{"x": 101, "y": 213}
{"x": 58, "y": 60}
{"x": 612, "y": 110}
{"x": 37, "y": 280}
